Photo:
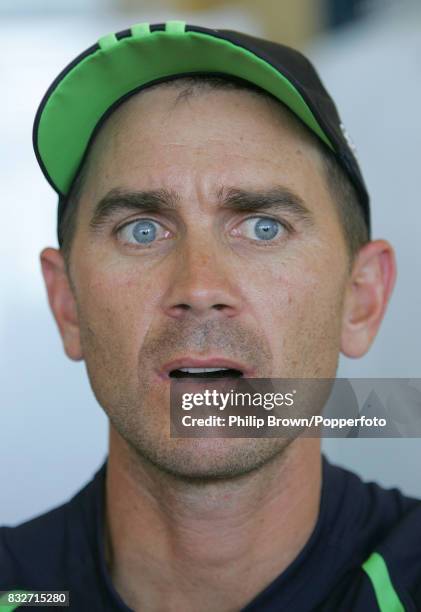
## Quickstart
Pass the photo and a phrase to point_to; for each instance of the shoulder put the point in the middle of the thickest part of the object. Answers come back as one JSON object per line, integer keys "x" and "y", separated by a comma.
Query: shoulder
{"x": 400, "y": 550}
{"x": 386, "y": 528}
{"x": 39, "y": 551}
{"x": 32, "y": 546}
{"x": 369, "y": 503}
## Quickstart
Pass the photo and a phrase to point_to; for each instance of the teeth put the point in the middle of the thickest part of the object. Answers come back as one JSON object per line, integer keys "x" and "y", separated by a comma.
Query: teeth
{"x": 200, "y": 370}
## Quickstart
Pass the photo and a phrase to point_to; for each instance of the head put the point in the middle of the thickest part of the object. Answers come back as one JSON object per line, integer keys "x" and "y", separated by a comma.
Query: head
{"x": 208, "y": 222}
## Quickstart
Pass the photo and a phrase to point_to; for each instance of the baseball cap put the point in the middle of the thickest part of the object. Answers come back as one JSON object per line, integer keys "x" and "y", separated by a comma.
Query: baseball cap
{"x": 98, "y": 80}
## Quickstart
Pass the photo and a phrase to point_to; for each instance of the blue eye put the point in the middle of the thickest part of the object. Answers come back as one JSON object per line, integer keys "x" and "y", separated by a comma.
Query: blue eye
{"x": 142, "y": 232}
{"x": 262, "y": 228}
{"x": 266, "y": 228}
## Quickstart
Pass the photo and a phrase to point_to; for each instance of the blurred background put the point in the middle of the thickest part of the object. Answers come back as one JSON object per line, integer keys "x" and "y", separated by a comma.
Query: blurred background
{"x": 54, "y": 435}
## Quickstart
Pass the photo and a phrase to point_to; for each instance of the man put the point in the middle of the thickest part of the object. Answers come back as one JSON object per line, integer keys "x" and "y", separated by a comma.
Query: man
{"x": 211, "y": 215}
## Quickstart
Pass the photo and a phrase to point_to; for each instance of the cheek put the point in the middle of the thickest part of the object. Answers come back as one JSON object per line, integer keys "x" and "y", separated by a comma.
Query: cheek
{"x": 301, "y": 316}
{"x": 115, "y": 313}
{"x": 115, "y": 309}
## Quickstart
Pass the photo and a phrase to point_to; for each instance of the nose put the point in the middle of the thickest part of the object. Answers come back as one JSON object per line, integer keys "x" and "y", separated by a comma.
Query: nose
{"x": 202, "y": 283}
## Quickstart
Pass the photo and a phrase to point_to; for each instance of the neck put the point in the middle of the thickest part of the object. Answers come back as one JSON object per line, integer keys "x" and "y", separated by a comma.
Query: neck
{"x": 172, "y": 544}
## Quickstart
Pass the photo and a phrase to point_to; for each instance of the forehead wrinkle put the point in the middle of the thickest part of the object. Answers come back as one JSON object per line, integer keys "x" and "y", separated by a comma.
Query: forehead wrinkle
{"x": 119, "y": 121}
{"x": 115, "y": 135}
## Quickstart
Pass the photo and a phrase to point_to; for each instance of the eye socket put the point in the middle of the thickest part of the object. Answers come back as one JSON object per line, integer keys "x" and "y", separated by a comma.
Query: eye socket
{"x": 142, "y": 232}
{"x": 261, "y": 228}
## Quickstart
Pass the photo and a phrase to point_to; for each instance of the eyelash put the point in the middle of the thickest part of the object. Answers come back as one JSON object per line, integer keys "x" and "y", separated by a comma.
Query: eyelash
{"x": 263, "y": 243}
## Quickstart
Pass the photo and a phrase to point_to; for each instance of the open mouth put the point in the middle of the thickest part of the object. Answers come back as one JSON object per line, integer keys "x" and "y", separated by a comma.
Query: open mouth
{"x": 205, "y": 373}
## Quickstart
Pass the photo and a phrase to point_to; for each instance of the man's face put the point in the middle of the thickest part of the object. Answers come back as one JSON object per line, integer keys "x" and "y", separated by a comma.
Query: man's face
{"x": 202, "y": 277}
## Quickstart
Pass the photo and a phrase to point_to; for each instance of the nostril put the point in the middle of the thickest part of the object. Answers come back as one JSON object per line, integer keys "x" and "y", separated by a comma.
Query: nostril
{"x": 179, "y": 309}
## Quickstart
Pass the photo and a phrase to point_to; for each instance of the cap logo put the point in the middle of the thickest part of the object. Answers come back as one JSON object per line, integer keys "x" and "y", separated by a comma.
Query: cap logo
{"x": 348, "y": 139}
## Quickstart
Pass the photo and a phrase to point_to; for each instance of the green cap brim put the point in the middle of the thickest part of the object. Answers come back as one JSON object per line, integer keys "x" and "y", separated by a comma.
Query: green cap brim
{"x": 83, "y": 94}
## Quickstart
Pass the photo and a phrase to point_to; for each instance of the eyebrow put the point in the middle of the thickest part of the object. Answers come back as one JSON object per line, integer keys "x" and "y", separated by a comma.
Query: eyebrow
{"x": 117, "y": 200}
{"x": 278, "y": 199}
{"x": 160, "y": 201}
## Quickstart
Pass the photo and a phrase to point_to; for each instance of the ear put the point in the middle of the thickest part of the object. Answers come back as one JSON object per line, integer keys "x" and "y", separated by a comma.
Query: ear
{"x": 368, "y": 292}
{"x": 62, "y": 301}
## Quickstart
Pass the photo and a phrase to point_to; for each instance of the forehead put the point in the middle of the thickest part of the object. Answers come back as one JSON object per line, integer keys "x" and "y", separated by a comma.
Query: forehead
{"x": 163, "y": 136}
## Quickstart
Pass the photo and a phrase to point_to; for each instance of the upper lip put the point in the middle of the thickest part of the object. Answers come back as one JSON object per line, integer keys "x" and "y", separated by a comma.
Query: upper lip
{"x": 208, "y": 362}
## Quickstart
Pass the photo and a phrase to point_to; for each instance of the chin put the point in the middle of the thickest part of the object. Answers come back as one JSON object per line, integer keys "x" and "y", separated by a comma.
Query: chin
{"x": 211, "y": 459}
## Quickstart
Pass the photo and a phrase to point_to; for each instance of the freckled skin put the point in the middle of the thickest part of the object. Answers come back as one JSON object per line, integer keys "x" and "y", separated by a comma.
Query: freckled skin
{"x": 282, "y": 305}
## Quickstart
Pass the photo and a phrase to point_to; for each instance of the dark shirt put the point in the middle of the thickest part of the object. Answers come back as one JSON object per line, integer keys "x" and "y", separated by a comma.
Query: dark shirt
{"x": 63, "y": 550}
